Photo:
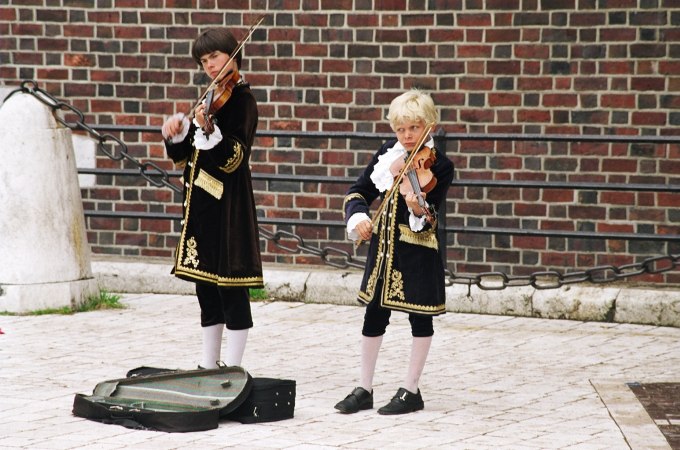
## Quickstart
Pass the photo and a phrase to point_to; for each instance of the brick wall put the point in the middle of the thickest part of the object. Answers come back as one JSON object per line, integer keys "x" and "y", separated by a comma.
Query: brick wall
{"x": 493, "y": 66}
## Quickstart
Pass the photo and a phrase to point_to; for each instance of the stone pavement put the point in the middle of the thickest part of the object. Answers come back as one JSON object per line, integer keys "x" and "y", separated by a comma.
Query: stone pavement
{"x": 491, "y": 381}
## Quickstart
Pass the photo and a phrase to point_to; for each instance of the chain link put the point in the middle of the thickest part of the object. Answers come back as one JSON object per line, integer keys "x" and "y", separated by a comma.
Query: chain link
{"x": 119, "y": 152}
{"x": 342, "y": 259}
{"x": 550, "y": 279}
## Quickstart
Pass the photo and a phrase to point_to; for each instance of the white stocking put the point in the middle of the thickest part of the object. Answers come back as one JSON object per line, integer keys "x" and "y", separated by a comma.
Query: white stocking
{"x": 236, "y": 345}
{"x": 370, "y": 346}
{"x": 419, "y": 350}
{"x": 212, "y": 345}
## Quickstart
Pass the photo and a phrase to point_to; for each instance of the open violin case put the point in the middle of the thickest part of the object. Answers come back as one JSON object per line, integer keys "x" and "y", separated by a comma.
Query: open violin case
{"x": 187, "y": 400}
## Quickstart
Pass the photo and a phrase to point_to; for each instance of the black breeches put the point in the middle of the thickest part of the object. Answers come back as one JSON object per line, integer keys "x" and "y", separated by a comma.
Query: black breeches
{"x": 377, "y": 318}
{"x": 222, "y": 305}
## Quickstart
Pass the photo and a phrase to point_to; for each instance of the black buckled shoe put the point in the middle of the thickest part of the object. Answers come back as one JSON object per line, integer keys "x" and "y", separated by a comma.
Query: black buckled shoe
{"x": 403, "y": 402}
{"x": 358, "y": 400}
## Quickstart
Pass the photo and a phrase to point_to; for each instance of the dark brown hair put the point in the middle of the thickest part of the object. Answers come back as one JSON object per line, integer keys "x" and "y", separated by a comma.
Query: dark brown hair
{"x": 214, "y": 39}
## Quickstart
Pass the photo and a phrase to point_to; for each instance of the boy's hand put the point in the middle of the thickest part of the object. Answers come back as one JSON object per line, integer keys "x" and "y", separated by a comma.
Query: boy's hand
{"x": 172, "y": 127}
{"x": 412, "y": 202}
{"x": 199, "y": 115}
{"x": 364, "y": 229}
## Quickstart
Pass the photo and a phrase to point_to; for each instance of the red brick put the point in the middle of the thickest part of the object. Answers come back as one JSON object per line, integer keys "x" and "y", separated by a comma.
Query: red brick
{"x": 476, "y": 83}
{"x": 557, "y": 196}
{"x": 649, "y": 118}
{"x": 534, "y": 116}
{"x": 337, "y": 158}
{"x": 315, "y": 202}
{"x": 529, "y": 242}
{"x": 618, "y": 35}
{"x": 615, "y": 228}
{"x": 587, "y": 212}
{"x": 53, "y": 74}
{"x": 503, "y": 67}
{"x": 475, "y": 51}
{"x": 617, "y": 198}
{"x": 339, "y": 96}
{"x": 618, "y": 101}
{"x": 502, "y": 35}
{"x": 504, "y": 99}
{"x": 525, "y": 209}
{"x": 531, "y": 51}
{"x": 560, "y": 100}
{"x": 473, "y": 20}
{"x": 619, "y": 165}
{"x": 648, "y": 84}
{"x": 104, "y": 16}
{"x": 79, "y": 60}
{"x": 8, "y": 14}
{"x": 552, "y": 260}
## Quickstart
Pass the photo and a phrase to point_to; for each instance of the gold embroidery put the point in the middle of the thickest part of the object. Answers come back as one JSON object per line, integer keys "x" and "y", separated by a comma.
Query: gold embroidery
{"x": 412, "y": 307}
{"x": 194, "y": 274}
{"x": 370, "y": 284}
{"x": 393, "y": 295}
{"x": 426, "y": 238}
{"x": 348, "y": 198}
{"x": 397, "y": 286}
{"x": 234, "y": 161}
{"x": 192, "y": 253}
{"x": 210, "y": 184}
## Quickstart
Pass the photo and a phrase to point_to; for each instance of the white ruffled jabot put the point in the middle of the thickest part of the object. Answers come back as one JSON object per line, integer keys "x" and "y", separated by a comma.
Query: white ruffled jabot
{"x": 382, "y": 176}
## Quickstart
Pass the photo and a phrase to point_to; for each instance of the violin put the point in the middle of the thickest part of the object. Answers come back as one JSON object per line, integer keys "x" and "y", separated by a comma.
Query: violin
{"x": 407, "y": 168}
{"x": 219, "y": 91}
{"x": 420, "y": 177}
{"x": 217, "y": 97}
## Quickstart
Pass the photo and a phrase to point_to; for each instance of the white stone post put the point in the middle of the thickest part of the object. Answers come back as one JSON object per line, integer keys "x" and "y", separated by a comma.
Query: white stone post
{"x": 44, "y": 254}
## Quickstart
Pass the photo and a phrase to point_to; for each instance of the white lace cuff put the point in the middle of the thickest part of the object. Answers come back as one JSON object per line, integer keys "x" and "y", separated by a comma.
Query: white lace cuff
{"x": 416, "y": 223}
{"x": 203, "y": 143}
{"x": 352, "y": 225}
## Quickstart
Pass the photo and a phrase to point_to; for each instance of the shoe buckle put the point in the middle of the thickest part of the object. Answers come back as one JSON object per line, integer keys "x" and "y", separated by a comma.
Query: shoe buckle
{"x": 403, "y": 396}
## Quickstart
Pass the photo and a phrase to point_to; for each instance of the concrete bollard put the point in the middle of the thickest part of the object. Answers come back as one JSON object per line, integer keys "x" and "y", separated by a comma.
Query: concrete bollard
{"x": 44, "y": 253}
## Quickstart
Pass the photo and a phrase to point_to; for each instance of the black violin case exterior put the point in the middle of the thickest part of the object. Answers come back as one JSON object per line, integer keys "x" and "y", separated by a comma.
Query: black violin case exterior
{"x": 187, "y": 400}
{"x": 270, "y": 399}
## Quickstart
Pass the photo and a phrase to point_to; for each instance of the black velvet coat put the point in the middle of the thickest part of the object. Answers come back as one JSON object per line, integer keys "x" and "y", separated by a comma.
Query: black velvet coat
{"x": 403, "y": 267}
{"x": 219, "y": 241}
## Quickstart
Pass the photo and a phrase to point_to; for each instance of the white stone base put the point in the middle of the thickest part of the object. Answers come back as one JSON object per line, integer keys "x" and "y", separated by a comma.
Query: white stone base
{"x": 24, "y": 298}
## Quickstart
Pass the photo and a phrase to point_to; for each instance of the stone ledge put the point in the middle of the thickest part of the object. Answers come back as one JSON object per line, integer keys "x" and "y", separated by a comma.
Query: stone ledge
{"x": 314, "y": 284}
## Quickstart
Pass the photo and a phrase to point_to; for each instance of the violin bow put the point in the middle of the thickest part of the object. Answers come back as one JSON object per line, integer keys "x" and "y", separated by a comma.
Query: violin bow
{"x": 224, "y": 67}
{"x": 397, "y": 179}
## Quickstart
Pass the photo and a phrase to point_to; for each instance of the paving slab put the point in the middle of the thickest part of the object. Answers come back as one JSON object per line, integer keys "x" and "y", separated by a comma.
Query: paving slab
{"x": 491, "y": 381}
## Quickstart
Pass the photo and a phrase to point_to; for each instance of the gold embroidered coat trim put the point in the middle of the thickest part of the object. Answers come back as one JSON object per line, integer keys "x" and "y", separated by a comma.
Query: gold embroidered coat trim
{"x": 192, "y": 253}
{"x": 392, "y": 295}
{"x": 233, "y": 162}
{"x": 210, "y": 184}
{"x": 426, "y": 238}
{"x": 200, "y": 275}
{"x": 348, "y": 198}
{"x": 189, "y": 254}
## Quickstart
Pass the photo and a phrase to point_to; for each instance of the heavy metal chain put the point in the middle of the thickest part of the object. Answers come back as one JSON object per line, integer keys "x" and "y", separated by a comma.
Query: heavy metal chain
{"x": 342, "y": 259}
{"x": 159, "y": 177}
{"x": 329, "y": 255}
{"x": 151, "y": 172}
{"x": 551, "y": 279}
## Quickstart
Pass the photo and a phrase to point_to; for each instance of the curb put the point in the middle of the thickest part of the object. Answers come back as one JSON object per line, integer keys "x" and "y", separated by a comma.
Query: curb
{"x": 314, "y": 284}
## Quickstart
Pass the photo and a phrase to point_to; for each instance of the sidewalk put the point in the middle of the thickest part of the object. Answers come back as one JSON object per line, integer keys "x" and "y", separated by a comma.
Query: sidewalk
{"x": 491, "y": 381}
